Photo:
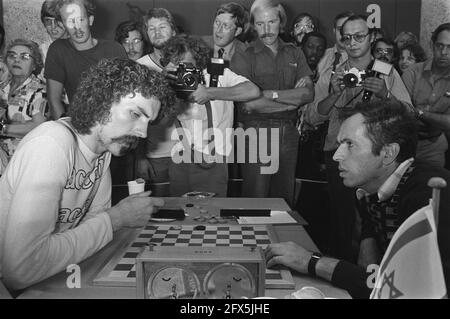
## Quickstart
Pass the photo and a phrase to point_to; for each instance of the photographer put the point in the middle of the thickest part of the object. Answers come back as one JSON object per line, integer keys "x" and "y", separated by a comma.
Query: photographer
{"x": 205, "y": 108}
{"x": 331, "y": 94}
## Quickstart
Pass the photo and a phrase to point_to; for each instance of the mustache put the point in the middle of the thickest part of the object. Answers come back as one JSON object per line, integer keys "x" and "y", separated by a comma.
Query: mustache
{"x": 130, "y": 140}
{"x": 267, "y": 35}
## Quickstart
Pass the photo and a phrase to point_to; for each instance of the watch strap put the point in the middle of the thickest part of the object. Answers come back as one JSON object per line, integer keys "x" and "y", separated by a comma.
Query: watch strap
{"x": 312, "y": 263}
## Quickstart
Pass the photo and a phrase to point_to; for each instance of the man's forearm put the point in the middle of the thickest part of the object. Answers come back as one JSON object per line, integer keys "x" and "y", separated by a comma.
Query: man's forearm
{"x": 264, "y": 105}
{"x": 241, "y": 92}
{"x": 438, "y": 120}
{"x": 56, "y": 108}
{"x": 325, "y": 267}
{"x": 324, "y": 107}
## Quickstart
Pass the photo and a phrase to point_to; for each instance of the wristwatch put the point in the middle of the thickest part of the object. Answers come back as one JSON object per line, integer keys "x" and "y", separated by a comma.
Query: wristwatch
{"x": 312, "y": 264}
{"x": 274, "y": 95}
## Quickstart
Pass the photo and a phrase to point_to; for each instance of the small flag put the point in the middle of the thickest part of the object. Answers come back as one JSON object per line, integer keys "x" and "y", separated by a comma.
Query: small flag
{"x": 411, "y": 266}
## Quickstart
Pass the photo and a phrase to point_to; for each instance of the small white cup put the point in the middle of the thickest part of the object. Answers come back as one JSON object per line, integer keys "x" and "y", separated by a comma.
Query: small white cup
{"x": 136, "y": 186}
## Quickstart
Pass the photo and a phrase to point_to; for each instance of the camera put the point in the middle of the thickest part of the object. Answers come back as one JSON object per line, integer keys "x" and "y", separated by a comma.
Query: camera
{"x": 353, "y": 77}
{"x": 187, "y": 79}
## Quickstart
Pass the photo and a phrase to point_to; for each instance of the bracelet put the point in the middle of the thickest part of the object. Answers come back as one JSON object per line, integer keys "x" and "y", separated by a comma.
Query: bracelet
{"x": 312, "y": 264}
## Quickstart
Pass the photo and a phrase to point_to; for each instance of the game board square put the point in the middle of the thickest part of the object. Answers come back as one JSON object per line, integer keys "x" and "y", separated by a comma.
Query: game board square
{"x": 222, "y": 236}
{"x": 249, "y": 245}
{"x": 185, "y": 232}
{"x": 235, "y": 241}
{"x": 196, "y": 236}
{"x": 222, "y": 245}
{"x": 223, "y": 228}
{"x": 248, "y": 237}
{"x": 137, "y": 244}
{"x": 184, "y": 236}
{"x": 195, "y": 244}
{"x": 222, "y": 241}
{"x": 209, "y": 240}
{"x": 210, "y": 232}
{"x": 235, "y": 237}
{"x": 209, "y": 245}
{"x": 132, "y": 274}
{"x": 172, "y": 236}
{"x": 122, "y": 267}
{"x": 260, "y": 232}
{"x": 247, "y": 228}
{"x": 130, "y": 254}
{"x": 182, "y": 240}
{"x": 210, "y": 236}
{"x": 167, "y": 244}
{"x": 235, "y": 245}
{"x": 196, "y": 241}
{"x": 156, "y": 240}
{"x": 145, "y": 235}
{"x": 235, "y": 232}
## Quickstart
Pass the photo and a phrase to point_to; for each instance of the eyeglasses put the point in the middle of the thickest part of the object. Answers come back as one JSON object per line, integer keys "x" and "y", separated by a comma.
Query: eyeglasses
{"x": 304, "y": 27}
{"x": 441, "y": 46}
{"x": 347, "y": 38}
{"x": 226, "y": 26}
{"x": 23, "y": 56}
{"x": 133, "y": 42}
{"x": 384, "y": 50}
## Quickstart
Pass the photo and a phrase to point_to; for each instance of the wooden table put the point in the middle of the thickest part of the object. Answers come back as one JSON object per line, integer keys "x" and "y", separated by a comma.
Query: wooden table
{"x": 56, "y": 287}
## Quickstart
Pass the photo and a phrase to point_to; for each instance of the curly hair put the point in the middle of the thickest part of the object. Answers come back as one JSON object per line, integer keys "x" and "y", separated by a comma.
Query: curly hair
{"x": 179, "y": 45}
{"x": 387, "y": 121}
{"x": 125, "y": 27}
{"x": 88, "y": 5}
{"x": 416, "y": 50}
{"x": 35, "y": 53}
{"x": 109, "y": 81}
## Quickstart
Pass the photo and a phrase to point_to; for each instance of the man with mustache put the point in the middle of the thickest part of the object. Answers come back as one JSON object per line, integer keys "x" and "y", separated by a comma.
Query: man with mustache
{"x": 429, "y": 85}
{"x": 55, "y": 195}
{"x": 68, "y": 58}
{"x": 281, "y": 72}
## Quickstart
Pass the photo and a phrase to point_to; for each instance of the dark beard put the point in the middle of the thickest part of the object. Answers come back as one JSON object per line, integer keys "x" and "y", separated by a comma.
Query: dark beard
{"x": 127, "y": 143}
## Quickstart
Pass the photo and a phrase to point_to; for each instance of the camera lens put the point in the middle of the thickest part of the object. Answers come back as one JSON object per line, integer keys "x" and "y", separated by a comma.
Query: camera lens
{"x": 189, "y": 80}
{"x": 350, "y": 80}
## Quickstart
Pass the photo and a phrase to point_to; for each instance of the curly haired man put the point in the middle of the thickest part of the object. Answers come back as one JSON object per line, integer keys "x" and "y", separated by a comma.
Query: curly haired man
{"x": 55, "y": 196}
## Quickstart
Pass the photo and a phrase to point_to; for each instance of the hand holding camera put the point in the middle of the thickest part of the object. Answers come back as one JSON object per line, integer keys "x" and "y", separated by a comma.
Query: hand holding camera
{"x": 201, "y": 95}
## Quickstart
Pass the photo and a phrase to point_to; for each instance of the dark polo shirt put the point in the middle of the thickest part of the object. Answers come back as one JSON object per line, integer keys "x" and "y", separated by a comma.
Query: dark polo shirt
{"x": 269, "y": 72}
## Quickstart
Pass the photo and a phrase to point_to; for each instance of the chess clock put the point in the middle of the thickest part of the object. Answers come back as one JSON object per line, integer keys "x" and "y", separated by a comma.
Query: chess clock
{"x": 200, "y": 272}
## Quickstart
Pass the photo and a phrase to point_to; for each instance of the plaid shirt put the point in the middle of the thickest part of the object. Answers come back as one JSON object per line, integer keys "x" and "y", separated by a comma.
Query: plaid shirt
{"x": 379, "y": 210}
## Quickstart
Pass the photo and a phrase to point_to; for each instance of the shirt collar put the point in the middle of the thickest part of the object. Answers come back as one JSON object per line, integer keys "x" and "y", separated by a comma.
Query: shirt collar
{"x": 390, "y": 185}
{"x": 228, "y": 49}
{"x": 427, "y": 65}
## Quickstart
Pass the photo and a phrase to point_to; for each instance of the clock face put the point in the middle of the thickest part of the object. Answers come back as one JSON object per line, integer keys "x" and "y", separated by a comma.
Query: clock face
{"x": 229, "y": 280}
{"x": 173, "y": 283}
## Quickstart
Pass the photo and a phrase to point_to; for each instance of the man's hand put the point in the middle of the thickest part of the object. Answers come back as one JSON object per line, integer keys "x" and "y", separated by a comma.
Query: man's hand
{"x": 201, "y": 95}
{"x": 377, "y": 86}
{"x": 288, "y": 254}
{"x": 133, "y": 211}
{"x": 337, "y": 86}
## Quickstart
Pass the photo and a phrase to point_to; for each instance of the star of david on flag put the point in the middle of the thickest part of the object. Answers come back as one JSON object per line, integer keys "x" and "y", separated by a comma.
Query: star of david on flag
{"x": 411, "y": 266}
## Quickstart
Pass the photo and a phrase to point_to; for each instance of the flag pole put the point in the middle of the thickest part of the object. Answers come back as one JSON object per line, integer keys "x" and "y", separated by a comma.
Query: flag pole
{"x": 437, "y": 183}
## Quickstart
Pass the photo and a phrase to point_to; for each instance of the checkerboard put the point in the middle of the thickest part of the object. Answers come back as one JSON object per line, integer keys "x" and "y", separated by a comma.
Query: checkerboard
{"x": 120, "y": 271}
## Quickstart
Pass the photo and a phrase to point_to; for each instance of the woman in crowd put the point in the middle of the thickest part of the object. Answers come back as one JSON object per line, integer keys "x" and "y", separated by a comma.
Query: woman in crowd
{"x": 410, "y": 54}
{"x": 23, "y": 98}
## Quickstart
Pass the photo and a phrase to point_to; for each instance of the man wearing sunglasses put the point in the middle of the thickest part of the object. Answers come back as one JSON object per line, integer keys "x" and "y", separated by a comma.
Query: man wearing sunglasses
{"x": 332, "y": 95}
{"x": 68, "y": 58}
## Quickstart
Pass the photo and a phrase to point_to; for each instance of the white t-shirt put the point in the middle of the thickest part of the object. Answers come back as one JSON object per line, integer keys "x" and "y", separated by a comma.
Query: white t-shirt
{"x": 53, "y": 197}
{"x": 195, "y": 118}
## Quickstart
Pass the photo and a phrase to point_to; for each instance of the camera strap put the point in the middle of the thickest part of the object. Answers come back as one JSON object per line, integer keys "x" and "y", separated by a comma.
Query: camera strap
{"x": 198, "y": 157}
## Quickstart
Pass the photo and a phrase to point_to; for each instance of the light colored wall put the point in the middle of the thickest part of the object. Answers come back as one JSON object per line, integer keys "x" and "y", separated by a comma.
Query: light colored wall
{"x": 433, "y": 13}
{"x": 21, "y": 19}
